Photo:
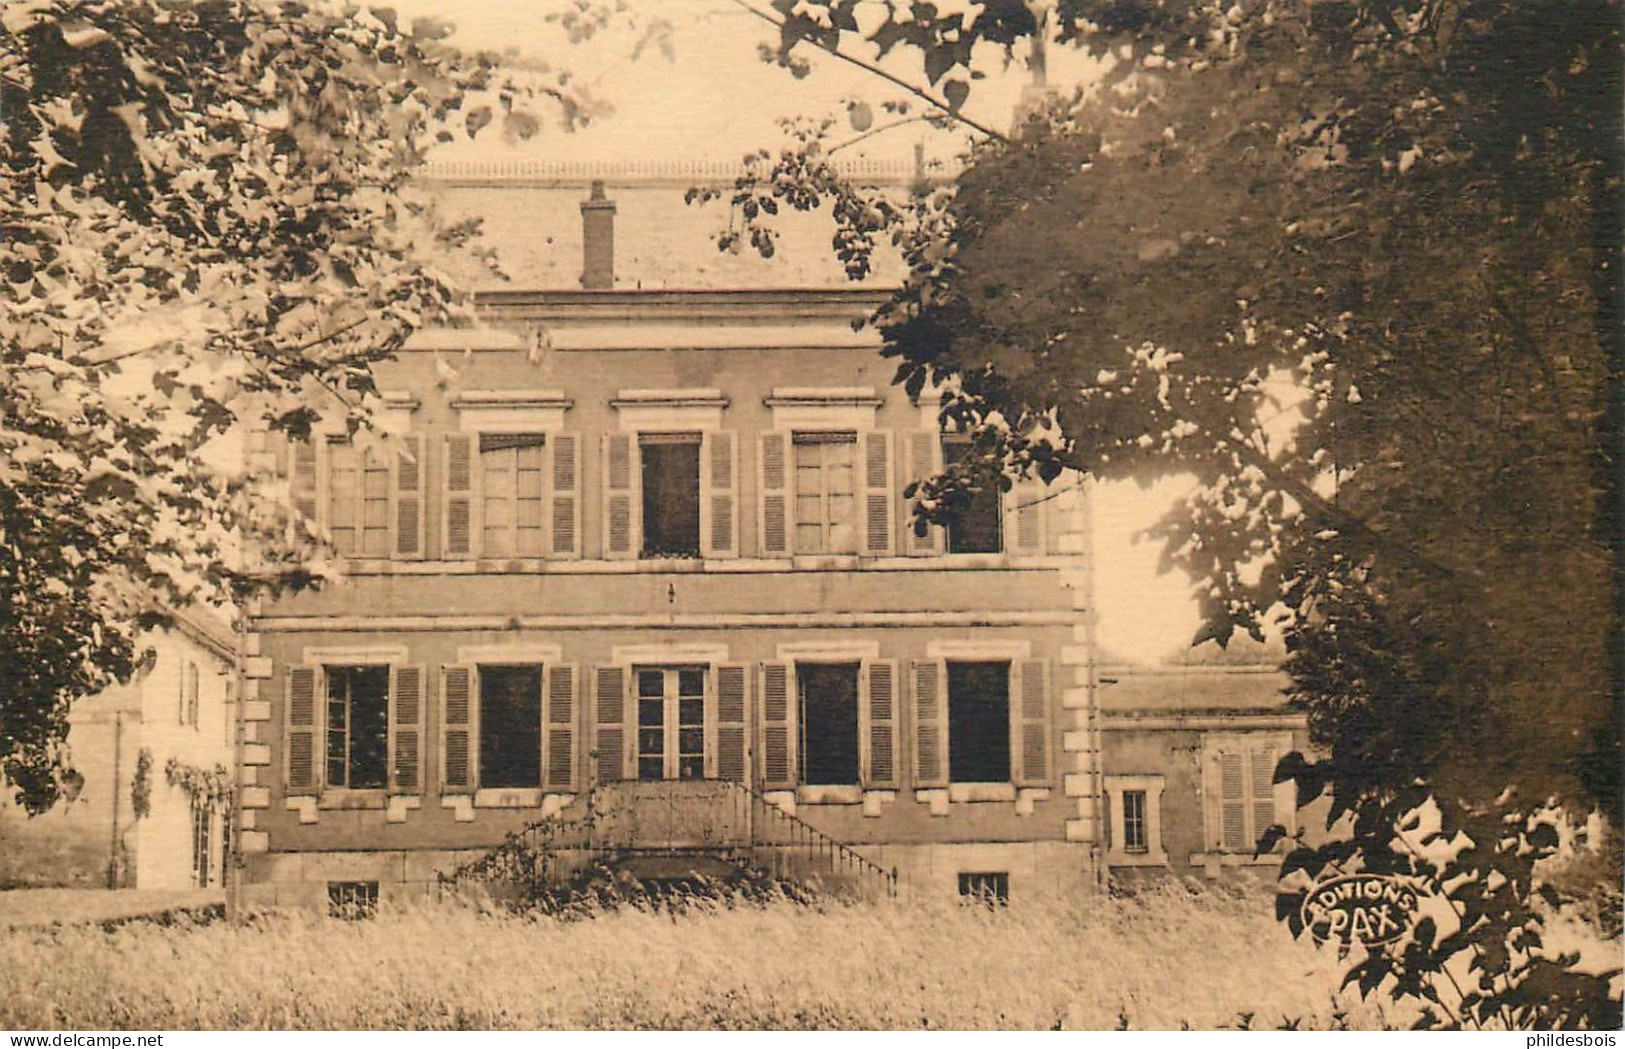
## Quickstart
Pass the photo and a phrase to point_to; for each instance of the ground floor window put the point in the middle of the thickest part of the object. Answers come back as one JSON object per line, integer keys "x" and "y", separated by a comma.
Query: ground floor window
{"x": 357, "y": 726}
{"x": 202, "y": 844}
{"x": 671, "y": 722}
{"x": 979, "y": 722}
{"x": 827, "y": 697}
{"x": 1240, "y": 801}
{"x": 510, "y": 750}
{"x": 1134, "y": 820}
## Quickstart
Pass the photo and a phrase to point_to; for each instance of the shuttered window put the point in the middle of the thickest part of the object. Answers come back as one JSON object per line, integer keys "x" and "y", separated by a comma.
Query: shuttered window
{"x": 358, "y": 499}
{"x": 406, "y": 731}
{"x": 877, "y": 728}
{"x": 1238, "y": 781}
{"x": 825, "y": 493}
{"x": 512, "y": 502}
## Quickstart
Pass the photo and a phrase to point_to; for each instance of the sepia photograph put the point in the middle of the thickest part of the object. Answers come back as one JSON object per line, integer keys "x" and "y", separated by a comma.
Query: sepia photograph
{"x": 811, "y": 515}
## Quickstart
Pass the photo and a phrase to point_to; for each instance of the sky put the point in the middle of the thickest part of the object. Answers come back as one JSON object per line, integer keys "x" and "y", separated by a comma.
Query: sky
{"x": 700, "y": 92}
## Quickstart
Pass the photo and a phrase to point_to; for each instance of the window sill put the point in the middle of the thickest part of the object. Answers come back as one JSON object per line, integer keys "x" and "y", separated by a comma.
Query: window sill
{"x": 829, "y": 794}
{"x": 670, "y": 563}
{"x": 962, "y": 792}
{"x": 1235, "y": 859}
{"x": 1136, "y": 859}
{"x": 508, "y": 798}
{"x": 344, "y": 800}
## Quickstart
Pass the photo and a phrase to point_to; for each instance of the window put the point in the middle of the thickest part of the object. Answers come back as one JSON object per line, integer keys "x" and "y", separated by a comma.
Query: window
{"x": 1134, "y": 820}
{"x": 202, "y": 825}
{"x": 357, "y": 726}
{"x": 357, "y": 500}
{"x": 1134, "y": 839}
{"x": 826, "y": 504}
{"x": 671, "y": 494}
{"x": 510, "y": 749}
{"x": 512, "y": 505}
{"x": 671, "y": 723}
{"x": 827, "y": 696}
{"x": 352, "y": 900}
{"x": 979, "y": 722}
{"x": 974, "y": 521}
{"x": 191, "y": 689}
{"x": 989, "y": 887}
{"x": 1239, "y": 789}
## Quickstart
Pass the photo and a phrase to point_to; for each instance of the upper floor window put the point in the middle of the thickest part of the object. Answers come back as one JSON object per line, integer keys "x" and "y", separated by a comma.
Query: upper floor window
{"x": 512, "y": 503}
{"x": 975, "y": 525}
{"x": 671, "y": 494}
{"x": 825, "y": 495}
{"x": 357, "y": 500}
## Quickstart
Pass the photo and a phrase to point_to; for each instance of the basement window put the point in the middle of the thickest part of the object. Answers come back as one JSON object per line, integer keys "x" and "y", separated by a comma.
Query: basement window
{"x": 352, "y": 900}
{"x": 671, "y": 494}
{"x": 988, "y": 887}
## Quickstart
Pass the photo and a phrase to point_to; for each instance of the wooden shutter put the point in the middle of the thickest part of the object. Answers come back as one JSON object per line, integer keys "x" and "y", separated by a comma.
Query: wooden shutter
{"x": 559, "y": 717}
{"x": 301, "y": 736}
{"x": 406, "y": 490}
{"x": 406, "y": 730}
{"x": 1232, "y": 830}
{"x": 610, "y": 740}
{"x": 729, "y": 750}
{"x": 924, "y": 461}
{"x": 778, "y": 728}
{"x": 302, "y": 469}
{"x": 879, "y": 498}
{"x": 1024, "y": 517}
{"x": 457, "y": 523}
{"x": 1030, "y": 722}
{"x": 564, "y": 496}
{"x": 457, "y": 730}
{"x": 620, "y": 502}
{"x": 719, "y": 507}
{"x": 1262, "y": 794}
{"x": 773, "y": 524}
{"x": 877, "y": 724}
{"x": 930, "y": 723}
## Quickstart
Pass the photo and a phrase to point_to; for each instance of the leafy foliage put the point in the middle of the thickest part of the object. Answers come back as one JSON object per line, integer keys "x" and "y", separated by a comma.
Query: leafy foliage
{"x": 1352, "y": 264}
{"x": 206, "y": 224}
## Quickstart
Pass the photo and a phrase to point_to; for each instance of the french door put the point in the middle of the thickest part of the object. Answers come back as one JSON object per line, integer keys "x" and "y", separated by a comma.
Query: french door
{"x": 671, "y": 722}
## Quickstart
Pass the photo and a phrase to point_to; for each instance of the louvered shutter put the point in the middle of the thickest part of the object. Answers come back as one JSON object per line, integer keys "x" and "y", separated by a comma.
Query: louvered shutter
{"x": 1030, "y": 722}
{"x": 559, "y": 747}
{"x": 406, "y": 730}
{"x": 406, "y": 489}
{"x": 564, "y": 495}
{"x": 301, "y": 735}
{"x": 879, "y": 498}
{"x": 773, "y": 525}
{"x": 620, "y": 502}
{"x": 1232, "y": 828}
{"x": 778, "y": 728}
{"x": 609, "y": 723}
{"x": 1263, "y": 793}
{"x": 877, "y": 724}
{"x": 924, "y": 461}
{"x": 457, "y": 730}
{"x": 457, "y": 520}
{"x": 730, "y": 750}
{"x": 302, "y": 477}
{"x": 1024, "y": 517}
{"x": 930, "y": 723}
{"x": 719, "y": 521}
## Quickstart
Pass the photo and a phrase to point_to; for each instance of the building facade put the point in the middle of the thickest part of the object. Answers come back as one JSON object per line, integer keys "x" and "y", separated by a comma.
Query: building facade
{"x": 637, "y": 564}
{"x": 148, "y": 807}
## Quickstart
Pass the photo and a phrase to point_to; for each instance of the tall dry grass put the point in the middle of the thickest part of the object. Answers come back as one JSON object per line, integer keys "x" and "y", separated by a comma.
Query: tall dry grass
{"x": 1165, "y": 959}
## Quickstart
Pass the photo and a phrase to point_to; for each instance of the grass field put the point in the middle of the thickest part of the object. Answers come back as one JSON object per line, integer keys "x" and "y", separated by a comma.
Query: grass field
{"x": 1162, "y": 960}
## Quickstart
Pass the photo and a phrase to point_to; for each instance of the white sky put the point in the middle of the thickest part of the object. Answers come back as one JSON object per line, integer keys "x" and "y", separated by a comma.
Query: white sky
{"x": 714, "y": 99}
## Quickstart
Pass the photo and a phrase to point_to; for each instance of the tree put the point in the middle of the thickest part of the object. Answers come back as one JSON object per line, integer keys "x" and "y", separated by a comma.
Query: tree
{"x": 1400, "y": 221}
{"x": 206, "y": 224}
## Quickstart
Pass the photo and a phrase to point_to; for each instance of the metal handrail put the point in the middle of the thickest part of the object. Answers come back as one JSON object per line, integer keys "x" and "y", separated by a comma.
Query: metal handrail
{"x": 817, "y": 841}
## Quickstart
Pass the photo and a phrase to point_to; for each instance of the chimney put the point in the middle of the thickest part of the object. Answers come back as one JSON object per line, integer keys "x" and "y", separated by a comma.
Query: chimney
{"x": 597, "y": 240}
